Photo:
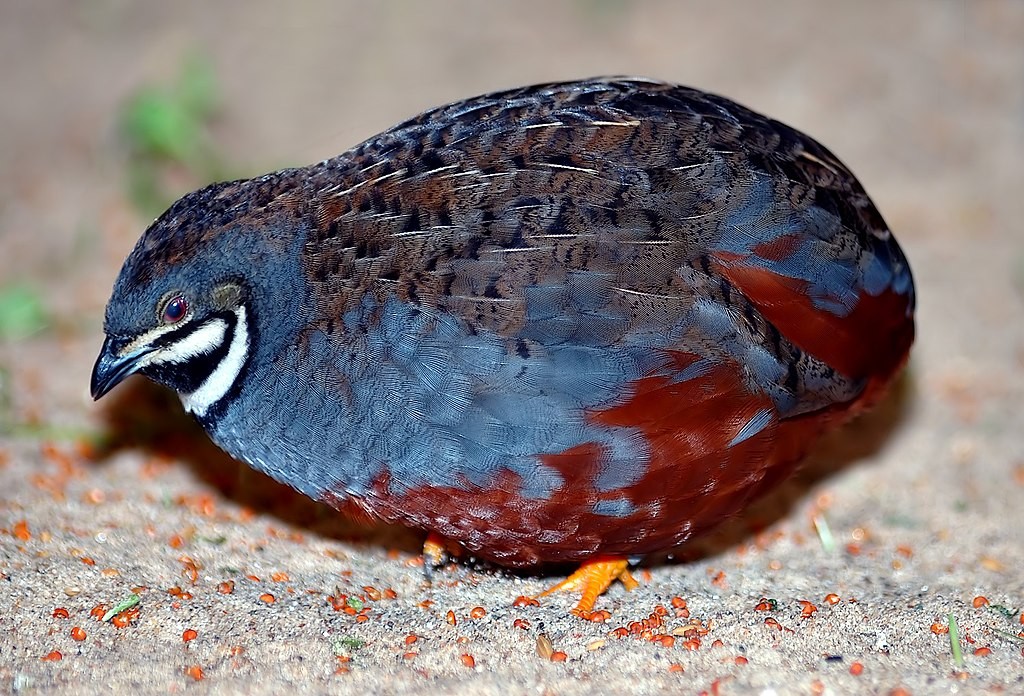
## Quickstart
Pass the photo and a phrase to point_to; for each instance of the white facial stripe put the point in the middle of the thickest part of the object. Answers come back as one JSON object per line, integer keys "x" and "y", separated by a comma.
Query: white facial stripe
{"x": 223, "y": 377}
{"x": 206, "y": 339}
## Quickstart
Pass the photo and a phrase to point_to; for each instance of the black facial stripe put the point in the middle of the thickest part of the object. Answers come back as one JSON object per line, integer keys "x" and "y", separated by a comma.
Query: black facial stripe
{"x": 216, "y": 411}
{"x": 185, "y": 377}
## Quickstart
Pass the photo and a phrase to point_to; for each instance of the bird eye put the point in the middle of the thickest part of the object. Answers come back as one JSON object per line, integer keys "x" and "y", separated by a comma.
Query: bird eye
{"x": 175, "y": 310}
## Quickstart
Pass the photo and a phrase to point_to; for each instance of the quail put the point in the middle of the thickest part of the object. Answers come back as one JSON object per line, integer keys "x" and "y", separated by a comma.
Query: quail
{"x": 573, "y": 322}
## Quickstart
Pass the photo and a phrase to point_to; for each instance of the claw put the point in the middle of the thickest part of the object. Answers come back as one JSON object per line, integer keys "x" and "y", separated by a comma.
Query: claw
{"x": 592, "y": 579}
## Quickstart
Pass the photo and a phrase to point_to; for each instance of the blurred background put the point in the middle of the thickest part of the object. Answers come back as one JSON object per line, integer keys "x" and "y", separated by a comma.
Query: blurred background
{"x": 111, "y": 109}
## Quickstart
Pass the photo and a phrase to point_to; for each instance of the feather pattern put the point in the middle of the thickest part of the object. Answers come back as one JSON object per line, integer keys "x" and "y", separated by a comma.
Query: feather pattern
{"x": 551, "y": 322}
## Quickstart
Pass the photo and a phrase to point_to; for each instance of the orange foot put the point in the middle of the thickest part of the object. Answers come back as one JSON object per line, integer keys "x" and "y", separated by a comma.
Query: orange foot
{"x": 592, "y": 579}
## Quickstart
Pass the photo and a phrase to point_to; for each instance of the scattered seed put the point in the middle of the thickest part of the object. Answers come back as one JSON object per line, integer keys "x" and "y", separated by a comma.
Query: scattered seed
{"x": 980, "y": 601}
{"x": 521, "y": 623}
{"x": 196, "y": 672}
{"x": 983, "y": 651}
{"x": 544, "y": 647}
{"x": 856, "y": 669}
{"x": 806, "y": 609}
{"x": 21, "y": 531}
{"x": 279, "y": 577}
{"x": 77, "y": 633}
{"x": 558, "y": 656}
{"x": 411, "y": 638}
{"x": 61, "y": 613}
{"x": 450, "y": 618}
{"x": 410, "y": 655}
{"x": 372, "y": 593}
{"x": 468, "y": 660}
{"x": 189, "y": 635}
{"x": 524, "y": 601}
{"x": 772, "y": 623}
{"x": 267, "y": 598}
{"x": 832, "y": 598}
{"x": 390, "y": 594}
{"x": 477, "y": 613}
{"x": 52, "y": 656}
{"x": 939, "y": 628}
{"x": 226, "y": 587}
{"x": 675, "y": 667}
{"x": 740, "y": 660}
{"x": 718, "y": 644}
{"x": 666, "y": 641}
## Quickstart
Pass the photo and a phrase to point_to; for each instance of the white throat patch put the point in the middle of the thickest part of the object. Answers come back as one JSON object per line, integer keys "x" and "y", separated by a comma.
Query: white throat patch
{"x": 220, "y": 381}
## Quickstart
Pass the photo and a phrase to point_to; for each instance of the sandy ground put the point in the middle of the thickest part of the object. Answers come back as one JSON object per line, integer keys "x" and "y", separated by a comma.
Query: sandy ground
{"x": 924, "y": 100}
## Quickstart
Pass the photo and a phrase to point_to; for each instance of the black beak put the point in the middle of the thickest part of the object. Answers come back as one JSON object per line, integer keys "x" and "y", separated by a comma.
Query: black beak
{"x": 112, "y": 367}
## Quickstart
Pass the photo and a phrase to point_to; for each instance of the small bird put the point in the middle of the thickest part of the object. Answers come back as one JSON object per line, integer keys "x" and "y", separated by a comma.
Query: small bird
{"x": 573, "y": 322}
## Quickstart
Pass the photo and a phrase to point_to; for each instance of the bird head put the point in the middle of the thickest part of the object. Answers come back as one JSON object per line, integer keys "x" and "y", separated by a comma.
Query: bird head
{"x": 181, "y": 311}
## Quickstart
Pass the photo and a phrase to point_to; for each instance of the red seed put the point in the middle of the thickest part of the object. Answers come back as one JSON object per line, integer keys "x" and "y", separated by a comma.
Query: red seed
{"x": 807, "y": 609}
{"x": 772, "y": 623}
{"x": 981, "y": 652}
{"x": 411, "y": 638}
{"x": 521, "y": 623}
{"x": 226, "y": 587}
{"x": 196, "y": 672}
{"x": 189, "y": 634}
{"x": 468, "y": 660}
{"x": 77, "y": 633}
{"x": 390, "y": 594}
{"x": 558, "y": 656}
{"x": 856, "y": 669}
{"x": 279, "y": 577}
{"x": 450, "y": 618}
{"x": 666, "y": 641}
{"x": 61, "y": 613}
{"x": 832, "y": 598}
{"x": 52, "y": 656}
{"x": 740, "y": 660}
{"x": 267, "y": 598}
{"x": 940, "y": 628}
{"x": 980, "y": 601}
{"x": 524, "y": 601}
{"x": 675, "y": 667}
{"x": 477, "y": 613}
{"x": 21, "y": 532}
